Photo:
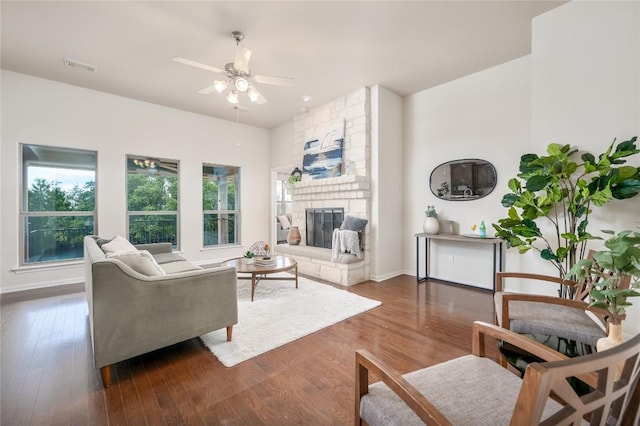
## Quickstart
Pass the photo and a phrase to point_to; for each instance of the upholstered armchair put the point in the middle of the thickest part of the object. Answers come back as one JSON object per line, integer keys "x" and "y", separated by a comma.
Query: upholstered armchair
{"x": 571, "y": 319}
{"x": 473, "y": 390}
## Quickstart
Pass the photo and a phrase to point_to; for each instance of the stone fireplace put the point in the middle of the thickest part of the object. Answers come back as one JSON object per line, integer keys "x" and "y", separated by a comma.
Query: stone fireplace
{"x": 349, "y": 193}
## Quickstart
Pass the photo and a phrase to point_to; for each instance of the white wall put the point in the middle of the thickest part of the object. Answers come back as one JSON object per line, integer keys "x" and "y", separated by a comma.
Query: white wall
{"x": 580, "y": 86}
{"x": 38, "y": 111}
{"x": 387, "y": 196}
{"x": 281, "y": 145}
{"x": 586, "y": 91}
{"x": 486, "y": 116}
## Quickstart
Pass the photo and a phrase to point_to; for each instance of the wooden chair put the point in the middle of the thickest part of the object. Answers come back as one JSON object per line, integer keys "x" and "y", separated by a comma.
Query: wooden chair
{"x": 473, "y": 390}
{"x": 550, "y": 315}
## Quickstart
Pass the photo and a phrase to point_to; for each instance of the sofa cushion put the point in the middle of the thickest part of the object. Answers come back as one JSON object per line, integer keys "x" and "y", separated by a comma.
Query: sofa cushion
{"x": 163, "y": 258}
{"x": 102, "y": 241}
{"x": 177, "y": 267}
{"x": 140, "y": 261}
{"x": 118, "y": 244}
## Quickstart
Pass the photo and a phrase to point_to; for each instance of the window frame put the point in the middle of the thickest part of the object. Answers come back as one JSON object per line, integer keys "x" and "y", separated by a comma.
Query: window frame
{"x": 24, "y": 212}
{"x": 130, "y": 213}
{"x": 237, "y": 211}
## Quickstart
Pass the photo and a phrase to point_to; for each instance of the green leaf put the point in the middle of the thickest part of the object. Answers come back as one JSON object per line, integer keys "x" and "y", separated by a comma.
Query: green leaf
{"x": 513, "y": 214}
{"x": 509, "y": 200}
{"x": 588, "y": 158}
{"x": 548, "y": 254}
{"x": 536, "y": 183}
{"x": 627, "y": 188}
{"x": 514, "y": 185}
{"x": 555, "y": 149}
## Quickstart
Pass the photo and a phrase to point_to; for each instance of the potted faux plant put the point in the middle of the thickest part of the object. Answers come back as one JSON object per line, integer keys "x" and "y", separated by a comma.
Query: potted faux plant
{"x": 561, "y": 190}
{"x": 249, "y": 257}
{"x": 431, "y": 224}
{"x": 607, "y": 268}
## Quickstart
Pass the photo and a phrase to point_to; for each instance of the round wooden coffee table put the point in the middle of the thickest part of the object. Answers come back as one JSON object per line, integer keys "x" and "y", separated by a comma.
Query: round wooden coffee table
{"x": 259, "y": 272}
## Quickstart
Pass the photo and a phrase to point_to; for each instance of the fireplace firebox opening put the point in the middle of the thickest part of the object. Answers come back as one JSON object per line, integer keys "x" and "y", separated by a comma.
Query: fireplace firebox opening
{"x": 320, "y": 225}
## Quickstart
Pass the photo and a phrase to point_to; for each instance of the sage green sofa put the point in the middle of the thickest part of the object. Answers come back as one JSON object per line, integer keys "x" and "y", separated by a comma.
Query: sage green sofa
{"x": 131, "y": 313}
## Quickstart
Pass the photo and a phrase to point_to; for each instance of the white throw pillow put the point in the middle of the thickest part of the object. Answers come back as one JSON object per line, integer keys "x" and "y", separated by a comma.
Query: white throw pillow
{"x": 284, "y": 222}
{"x": 117, "y": 245}
{"x": 140, "y": 261}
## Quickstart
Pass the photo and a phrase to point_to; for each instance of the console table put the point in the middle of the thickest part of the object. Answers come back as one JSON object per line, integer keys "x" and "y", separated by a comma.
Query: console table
{"x": 466, "y": 239}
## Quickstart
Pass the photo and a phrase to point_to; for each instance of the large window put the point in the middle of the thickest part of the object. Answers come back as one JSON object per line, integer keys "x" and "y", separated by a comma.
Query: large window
{"x": 152, "y": 200}
{"x": 58, "y": 205}
{"x": 220, "y": 195}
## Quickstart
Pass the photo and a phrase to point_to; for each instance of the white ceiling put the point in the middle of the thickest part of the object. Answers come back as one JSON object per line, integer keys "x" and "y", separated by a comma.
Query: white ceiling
{"x": 328, "y": 48}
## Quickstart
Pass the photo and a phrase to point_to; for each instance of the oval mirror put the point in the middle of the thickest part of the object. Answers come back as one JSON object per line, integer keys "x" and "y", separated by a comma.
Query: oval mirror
{"x": 461, "y": 180}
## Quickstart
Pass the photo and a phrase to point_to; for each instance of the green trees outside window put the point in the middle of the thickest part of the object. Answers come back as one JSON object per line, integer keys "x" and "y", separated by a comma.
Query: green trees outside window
{"x": 152, "y": 200}
{"x": 220, "y": 204}
{"x": 58, "y": 202}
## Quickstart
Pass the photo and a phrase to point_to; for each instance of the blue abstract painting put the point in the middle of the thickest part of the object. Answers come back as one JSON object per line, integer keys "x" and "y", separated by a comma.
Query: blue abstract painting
{"x": 323, "y": 160}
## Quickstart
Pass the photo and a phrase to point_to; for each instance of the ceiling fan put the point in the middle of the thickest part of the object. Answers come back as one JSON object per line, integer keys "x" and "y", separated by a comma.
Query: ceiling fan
{"x": 237, "y": 75}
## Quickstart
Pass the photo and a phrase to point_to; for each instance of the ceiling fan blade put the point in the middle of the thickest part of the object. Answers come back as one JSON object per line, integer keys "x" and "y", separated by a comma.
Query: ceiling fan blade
{"x": 276, "y": 81}
{"x": 241, "y": 61}
{"x": 196, "y": 64}
{"x": 207, "y": 90}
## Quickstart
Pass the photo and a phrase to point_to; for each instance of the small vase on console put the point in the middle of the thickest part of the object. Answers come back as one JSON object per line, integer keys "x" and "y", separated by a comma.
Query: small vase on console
{"x": 294, "y": 236}
{"x": 431, "y": 225}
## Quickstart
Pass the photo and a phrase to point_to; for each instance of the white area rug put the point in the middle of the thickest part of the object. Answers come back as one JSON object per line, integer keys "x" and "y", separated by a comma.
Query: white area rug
{"x": 280, "y": 314}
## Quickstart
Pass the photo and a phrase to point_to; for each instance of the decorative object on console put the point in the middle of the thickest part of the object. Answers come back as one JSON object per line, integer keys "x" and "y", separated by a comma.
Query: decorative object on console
{"x": 482, "y": 229}
{"x": 323, "y": 155}
{"x": 294, "y": 236}
{"x": 431, "y": 225}
{"x": 460, "y": 180}
{"x": 560, "y": 190}
{"x": 606, "y": 269}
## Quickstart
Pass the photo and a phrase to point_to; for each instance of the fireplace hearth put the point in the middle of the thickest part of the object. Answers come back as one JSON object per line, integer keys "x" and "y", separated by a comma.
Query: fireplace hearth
{"x": 320, "y": 224}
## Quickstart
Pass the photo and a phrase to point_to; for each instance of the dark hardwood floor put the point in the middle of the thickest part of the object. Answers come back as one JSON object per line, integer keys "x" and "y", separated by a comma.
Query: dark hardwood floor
{"x": 48, "y": 376}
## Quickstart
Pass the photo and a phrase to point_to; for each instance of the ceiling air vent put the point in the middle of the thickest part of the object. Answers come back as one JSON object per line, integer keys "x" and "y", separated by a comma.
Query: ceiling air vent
{"x": 79, "y": 65}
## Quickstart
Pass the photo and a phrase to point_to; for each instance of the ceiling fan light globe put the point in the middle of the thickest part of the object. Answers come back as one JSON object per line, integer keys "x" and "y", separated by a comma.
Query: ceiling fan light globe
{"x": 232, "y": 97}
{"x": 242, "y": 84}
{"x": 220, "y": 85}
{"x": 253, "y": 95}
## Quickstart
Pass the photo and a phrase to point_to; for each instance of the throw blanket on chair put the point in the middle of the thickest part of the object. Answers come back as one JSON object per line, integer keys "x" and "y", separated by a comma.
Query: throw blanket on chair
{"x": 344, "y": 241}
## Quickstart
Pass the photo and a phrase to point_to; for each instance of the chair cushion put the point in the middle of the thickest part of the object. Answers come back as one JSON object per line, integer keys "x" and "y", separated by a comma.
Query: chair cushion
{"x": 551, "y": 320}
{"x": 469, "y": 390}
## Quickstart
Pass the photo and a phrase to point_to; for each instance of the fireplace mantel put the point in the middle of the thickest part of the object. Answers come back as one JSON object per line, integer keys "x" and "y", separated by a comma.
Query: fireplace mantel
{"x": 349, "y": 187}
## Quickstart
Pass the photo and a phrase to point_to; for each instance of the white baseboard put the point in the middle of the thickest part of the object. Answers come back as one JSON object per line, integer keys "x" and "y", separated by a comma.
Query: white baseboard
{"x": 41, "y": 285}
{"x": 379, "y": 278}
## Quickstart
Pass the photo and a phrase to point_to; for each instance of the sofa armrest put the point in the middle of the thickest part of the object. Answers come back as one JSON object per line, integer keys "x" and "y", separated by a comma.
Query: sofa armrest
{"x": 155, "y": 248}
